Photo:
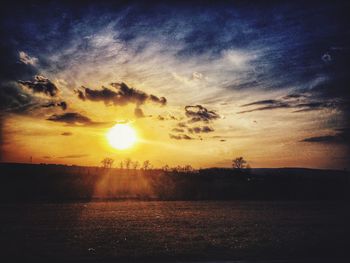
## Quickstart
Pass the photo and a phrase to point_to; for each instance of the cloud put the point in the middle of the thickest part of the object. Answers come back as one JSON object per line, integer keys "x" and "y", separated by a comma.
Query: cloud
{"x": 197, "y": 76}
{"x": 80, "y": 93}
{"x": 327, "y": 58}
{"x": 122, "y": 95}
{"x": 207, "y": 129}
{"x": 178, "y": 130}
{"x": 342, "y": 136}
{"x": 316, "y": 106}
{"x": 13, "y": 99}
{"x": 61, "y": 104}
{"x": 26, "y": 59}
{"x": 182, "y": 125}
{"x": 74, "y": 118}
{"x": 295, "y": 96}
{"x": 66, "y": 134}
{"x": 196, "y": 113}
{"x": 262, "y": 102}
{"x": 180, "y": 137}
{"x": 204, "y": 129}
{"x": 71, "y": 118}
{"x": 166, "y": 118}
{"x": 199, "y": 113}
{"x": 41, "y": 84}
{"x": 139, "y": 113}
{"x": 299, "y": 102}
{"x": 155, "y": 99}
{"x": 269, "y": 107}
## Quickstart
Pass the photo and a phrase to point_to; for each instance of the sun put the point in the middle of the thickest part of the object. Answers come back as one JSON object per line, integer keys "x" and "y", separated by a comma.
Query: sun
{"x": 121, "y": 136}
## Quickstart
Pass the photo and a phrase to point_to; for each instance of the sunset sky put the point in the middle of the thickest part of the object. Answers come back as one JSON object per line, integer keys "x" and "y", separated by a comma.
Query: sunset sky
{"x": 200, "y": 84}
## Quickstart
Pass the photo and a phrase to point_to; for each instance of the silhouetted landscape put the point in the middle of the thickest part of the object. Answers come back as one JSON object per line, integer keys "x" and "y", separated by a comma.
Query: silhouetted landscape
{"x": 48, "y": 182}
{"x": 75, "y": 213}
{"x": 175, "y": 131}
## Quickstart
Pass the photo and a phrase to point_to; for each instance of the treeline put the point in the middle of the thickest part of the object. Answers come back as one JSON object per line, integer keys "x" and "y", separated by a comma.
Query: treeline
{"x": 30, "y": 182}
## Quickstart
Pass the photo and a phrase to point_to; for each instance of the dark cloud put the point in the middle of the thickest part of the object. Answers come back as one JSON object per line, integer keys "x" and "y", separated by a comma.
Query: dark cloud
{"x": 13, "y": 97}
{"x": 315, "y": 106}
{"x": 180, "y": 137}
{"x": 61, "y": 104}
{"x": 196, "y": 113}
{"x": 207, "y": 129}
{"x": 166, "y": 118}
{"x": 341, "y": 136}
{"x": 186, "y": 137}
{"x": 199, "y": 113}
{"x": 74, "y": 118}
{"x": 121, "y": 95}
{"x": 139, "y": 113}
{"x": 41, "y": 84}
{"x": 66, "y": 134}
{"x": 70, "y": 118}
{"x": 194, "y": 130}
{"x": 295, "y": 96}
{"x": 182, "y": 125}
{"x": 14, "y": 100}
{"x": 155, "y": 99}
{"x": 262, "y": 102}
{"x": 299, "y": 102}
{"x": 178, "y": 130}
{"x": 270, "y": 107}
{"x": 80, "y": 94}
{"x": 204, "y": 129}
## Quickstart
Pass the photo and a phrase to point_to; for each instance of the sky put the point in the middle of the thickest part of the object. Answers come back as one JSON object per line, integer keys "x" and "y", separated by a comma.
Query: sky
{"x": 200, "y": 83}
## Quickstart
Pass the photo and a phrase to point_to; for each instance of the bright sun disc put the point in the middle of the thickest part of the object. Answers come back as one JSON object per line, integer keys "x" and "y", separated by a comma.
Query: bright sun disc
{"x": 121, "y": 136}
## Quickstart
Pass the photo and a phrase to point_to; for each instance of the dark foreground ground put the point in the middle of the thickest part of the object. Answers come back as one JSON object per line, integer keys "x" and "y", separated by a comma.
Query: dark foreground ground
{"x": 175, "y": 231}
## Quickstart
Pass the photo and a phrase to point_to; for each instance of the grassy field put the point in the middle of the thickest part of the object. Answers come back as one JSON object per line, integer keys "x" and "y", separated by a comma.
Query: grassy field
{"x": 140, "y": 231}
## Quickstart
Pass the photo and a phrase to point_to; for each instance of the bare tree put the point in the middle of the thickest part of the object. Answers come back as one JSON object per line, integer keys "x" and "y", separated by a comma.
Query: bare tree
{"x": 107, "y": 162}
{"x": 188, "y": 168}
{"x": 239, "y": 163}
{"x": 166, "y": 168}
{"x": 135, "y": 165}
{"x": 146, "y": 165}
{"x": 127, "y": 163}
{"x": 121, "y": 165}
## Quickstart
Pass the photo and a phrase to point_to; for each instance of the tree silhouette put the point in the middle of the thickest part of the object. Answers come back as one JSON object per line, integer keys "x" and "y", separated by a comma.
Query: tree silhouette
{"x": 239, "y": 163}
{"x": 107, "y": 163}
{"x": 146, "y": 165}
{"x": 135, "y": 165}
{"x": 127, "y": 163}
{"x": 188, "y": 168}
{"x": 166, "y": 168}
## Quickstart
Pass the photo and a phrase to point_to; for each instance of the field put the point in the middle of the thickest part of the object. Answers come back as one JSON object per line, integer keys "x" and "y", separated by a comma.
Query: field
{"x": 178, "y": 230}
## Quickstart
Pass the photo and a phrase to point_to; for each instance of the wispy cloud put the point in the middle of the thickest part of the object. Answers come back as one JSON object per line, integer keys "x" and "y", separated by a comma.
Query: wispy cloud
{"x": 298, "y": 102}
{"x": 74, "y": 118}
{"x": 341, "y": 136}
{"x": 26, "y": 59}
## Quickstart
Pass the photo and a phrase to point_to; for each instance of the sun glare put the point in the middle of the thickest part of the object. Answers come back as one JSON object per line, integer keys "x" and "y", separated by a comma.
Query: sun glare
{"x": 121, "y": 136}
